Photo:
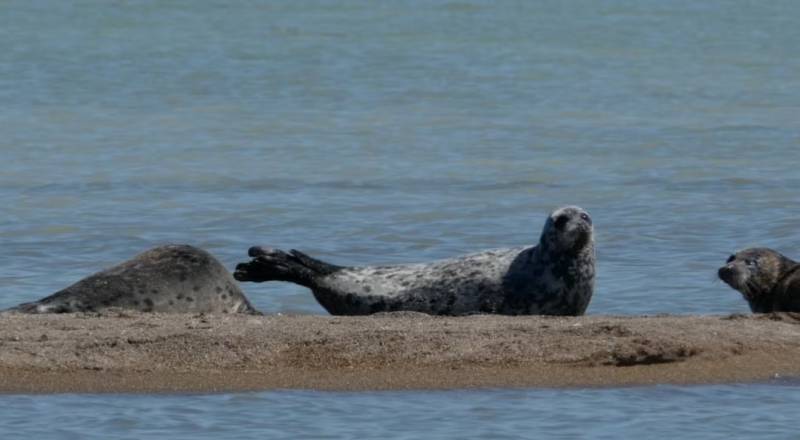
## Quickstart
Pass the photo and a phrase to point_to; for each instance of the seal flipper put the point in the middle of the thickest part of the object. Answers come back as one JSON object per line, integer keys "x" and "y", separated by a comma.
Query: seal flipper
{"x": 277, "y": 265}
{"x": 318, "y": 266}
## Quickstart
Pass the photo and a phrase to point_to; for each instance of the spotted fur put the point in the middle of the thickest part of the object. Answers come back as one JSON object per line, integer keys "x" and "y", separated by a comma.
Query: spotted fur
{"x": 167, "y": 279}
{"x": 555, "y": 277}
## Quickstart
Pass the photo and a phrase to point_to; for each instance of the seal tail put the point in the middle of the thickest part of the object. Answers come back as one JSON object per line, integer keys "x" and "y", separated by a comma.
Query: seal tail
{"x": 277, "y": 265}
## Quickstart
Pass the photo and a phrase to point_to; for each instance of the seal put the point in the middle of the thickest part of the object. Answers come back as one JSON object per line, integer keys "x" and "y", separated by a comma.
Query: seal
{"x": 769, "y": 281}
{"x": 554, "y": 277}
{"x": 166, "y": 279}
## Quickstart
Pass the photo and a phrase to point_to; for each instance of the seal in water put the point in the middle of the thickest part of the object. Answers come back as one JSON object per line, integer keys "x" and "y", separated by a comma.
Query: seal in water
{"x": 555, "y": 277}
{"x": 768, "y": 281}
{"x": 167, "y": 279}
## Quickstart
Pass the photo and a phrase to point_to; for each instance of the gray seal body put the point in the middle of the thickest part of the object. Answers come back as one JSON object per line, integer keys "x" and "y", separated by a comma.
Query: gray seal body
{"x": 167, "y": 279}
{"x": 554, "y": 277}
{"x": 769, "y": 281}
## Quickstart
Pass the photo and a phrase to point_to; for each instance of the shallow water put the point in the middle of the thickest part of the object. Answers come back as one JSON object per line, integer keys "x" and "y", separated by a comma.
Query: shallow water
{"x": 711, "y": 412}
{"x": 369, "y": 133}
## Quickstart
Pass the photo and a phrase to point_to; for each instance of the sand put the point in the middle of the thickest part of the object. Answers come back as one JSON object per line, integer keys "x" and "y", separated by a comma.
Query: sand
{"x": 134, "y": 352}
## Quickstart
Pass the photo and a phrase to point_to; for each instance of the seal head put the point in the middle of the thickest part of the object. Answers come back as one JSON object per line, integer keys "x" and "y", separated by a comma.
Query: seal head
{"x": 567, "y": 230}
{"x": 769, "y": 281}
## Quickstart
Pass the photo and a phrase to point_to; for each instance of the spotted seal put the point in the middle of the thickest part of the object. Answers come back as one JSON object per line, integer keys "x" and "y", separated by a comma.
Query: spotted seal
{"x": 168, "y": 279}
{"x": 769, "y": 281}
{"x": 554, "y": 277}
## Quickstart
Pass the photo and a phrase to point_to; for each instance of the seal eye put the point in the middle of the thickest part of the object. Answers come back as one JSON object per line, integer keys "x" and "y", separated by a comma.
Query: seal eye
{"x": 731, "y": 258}
{"x": 561, "y": 221}
{"x": 586, "y": 218}
{"x": 750, "y": 263}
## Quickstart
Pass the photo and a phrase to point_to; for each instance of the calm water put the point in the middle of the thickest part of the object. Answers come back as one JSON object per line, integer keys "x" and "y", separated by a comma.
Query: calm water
{"x": 383, "y": 132}
{"x": 765, "y": 411}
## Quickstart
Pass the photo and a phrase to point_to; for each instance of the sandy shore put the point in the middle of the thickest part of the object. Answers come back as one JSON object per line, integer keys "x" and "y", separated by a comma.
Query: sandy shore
{"x": 132, "y": 352}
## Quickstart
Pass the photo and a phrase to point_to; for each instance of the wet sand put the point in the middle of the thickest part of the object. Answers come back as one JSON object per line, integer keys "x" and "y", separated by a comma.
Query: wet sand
{"x": 133, "y": 352}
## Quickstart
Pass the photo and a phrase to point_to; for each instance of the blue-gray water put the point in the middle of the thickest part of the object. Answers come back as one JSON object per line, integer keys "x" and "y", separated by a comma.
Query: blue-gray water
{"x": 382, "y": 132}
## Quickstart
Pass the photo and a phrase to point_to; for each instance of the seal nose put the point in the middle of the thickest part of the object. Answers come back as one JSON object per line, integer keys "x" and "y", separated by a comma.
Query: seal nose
{"x": 725, "y": 273}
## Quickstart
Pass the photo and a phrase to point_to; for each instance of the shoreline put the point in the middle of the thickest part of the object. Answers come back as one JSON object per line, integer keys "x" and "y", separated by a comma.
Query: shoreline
{"x": 133, "y": 352}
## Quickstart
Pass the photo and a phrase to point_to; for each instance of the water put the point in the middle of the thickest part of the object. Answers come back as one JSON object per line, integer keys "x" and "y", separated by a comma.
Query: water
{"x": 750, "y": 411}
{"x": 365, "y": 133}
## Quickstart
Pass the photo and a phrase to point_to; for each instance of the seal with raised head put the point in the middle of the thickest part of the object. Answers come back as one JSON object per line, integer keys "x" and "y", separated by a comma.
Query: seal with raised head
{"x": 554, "y": 277}
{"x": 769, "y": 281}
{"x": 167, "y": 279}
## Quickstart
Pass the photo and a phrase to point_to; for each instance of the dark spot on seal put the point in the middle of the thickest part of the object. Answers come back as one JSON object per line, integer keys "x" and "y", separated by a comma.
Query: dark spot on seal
{"x": 224, "y": 296}
{"x": 136, "y": 303}
{"x": 170, "y": 302}
{"x": 367, "y": 289}
{"x": 189, "y": 299}
{"x": 196, "y": 288}
{"x": 179, "y": 296}
{"x": 183, "y": 277}
{"x": 148, "y": 303}
{"x": 218, "y": 289}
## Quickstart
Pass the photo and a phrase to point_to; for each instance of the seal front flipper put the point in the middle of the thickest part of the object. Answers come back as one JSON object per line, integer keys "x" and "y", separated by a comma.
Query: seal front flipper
{"x": 276, "y": 265}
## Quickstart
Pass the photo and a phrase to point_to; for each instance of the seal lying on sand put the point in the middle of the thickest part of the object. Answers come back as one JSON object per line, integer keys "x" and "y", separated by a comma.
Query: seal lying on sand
{"x": 168, "y": 279}
{"x": 555, "y": 277}
{"x": 768, "y": 281}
